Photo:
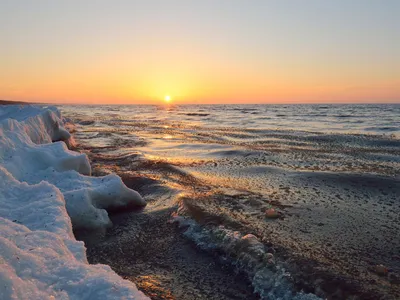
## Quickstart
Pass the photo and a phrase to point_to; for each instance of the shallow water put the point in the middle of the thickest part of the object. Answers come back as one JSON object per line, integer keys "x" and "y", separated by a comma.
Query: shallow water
{"x": 331, "y": 171}
{"x": 374, "y": 119}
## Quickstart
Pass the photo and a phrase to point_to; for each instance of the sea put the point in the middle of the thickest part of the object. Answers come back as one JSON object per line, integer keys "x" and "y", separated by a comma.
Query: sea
{"x": 299, "y": 198}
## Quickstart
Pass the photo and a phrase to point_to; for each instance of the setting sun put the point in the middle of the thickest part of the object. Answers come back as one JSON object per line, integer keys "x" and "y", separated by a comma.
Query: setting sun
{"x": 259, "y": 116}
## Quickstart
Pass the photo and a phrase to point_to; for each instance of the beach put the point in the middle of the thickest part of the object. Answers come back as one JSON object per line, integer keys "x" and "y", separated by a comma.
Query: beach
{"x": 210, "y": 175}
{"x": 46, "y": 191}
{"x": 200, "y": 150}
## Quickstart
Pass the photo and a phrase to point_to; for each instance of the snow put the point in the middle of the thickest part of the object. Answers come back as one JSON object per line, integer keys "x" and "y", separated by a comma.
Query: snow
{"x": 43, "y": 265}
{"x": 44, "y": 193}
{"x": 89, "y": 198}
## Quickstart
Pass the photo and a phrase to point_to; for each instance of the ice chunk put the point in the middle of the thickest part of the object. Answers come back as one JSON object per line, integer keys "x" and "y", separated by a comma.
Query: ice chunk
{"x": 38, "y": 207}
{"x": 41, "y": 265}
{"x": 43, "y": 125}
{"x": 21, "y": 156}
{"x": 87, "y": 198}
{"x": 42, "y": 185}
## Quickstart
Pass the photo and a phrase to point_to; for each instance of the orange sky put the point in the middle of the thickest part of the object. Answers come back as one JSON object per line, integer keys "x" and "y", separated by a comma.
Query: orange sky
{"x": 230, "y": 52}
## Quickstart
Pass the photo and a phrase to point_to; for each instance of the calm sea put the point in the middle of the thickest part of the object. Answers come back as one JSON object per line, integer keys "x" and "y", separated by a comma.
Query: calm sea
{"x": 366, "y": 119}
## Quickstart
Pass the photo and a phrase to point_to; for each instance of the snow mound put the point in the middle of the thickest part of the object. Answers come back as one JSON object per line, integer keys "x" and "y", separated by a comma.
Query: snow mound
{"x": 43, "y": 265}
{"x": 39, "y": 207}
{"x": 22, "y": 157}
{"x": 87, "y": 199}
{"x": 43, "y": 186}
{"x": 43, "y": 125}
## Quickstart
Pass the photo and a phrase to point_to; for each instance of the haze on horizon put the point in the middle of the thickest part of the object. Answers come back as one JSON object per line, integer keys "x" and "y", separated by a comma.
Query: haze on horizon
{"x": 225, "y": 51}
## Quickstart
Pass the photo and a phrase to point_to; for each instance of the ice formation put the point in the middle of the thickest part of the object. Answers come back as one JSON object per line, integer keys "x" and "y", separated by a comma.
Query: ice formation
{"x": 248, "y": 254}
{"x": 43, "y": 187}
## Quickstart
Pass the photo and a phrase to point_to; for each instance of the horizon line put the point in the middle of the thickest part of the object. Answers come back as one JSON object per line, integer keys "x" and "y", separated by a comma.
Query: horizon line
{"x": 177, "y": 104}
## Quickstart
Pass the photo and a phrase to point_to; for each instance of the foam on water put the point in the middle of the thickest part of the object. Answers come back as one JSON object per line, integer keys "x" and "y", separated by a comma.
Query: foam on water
{"x": 247, "y": 254}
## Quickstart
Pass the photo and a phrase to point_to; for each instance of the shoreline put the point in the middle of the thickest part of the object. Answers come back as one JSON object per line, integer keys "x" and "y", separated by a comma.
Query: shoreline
{"x": 327, "y": 270}
{"x": 103, "y": 248}
{"x": 45, "y": 190}
{"x": 305, "y": 272}
{"x": 162, "y": 263}
{"x": 11, "y": 102}
{"x": 146, "y": 246}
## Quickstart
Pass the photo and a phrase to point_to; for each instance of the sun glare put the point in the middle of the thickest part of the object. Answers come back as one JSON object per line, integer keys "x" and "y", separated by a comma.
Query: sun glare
{"x": 167, "y": 98}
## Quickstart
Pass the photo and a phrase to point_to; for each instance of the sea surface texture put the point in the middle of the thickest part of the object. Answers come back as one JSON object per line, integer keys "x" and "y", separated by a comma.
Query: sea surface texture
{"x": 299, "y": 198}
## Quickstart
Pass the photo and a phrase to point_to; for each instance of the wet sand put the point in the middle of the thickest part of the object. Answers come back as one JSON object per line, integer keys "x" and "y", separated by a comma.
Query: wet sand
{"x": 144, "y": 247}
{"x": 334, "y": 230}
{"x": 325, "y": 242}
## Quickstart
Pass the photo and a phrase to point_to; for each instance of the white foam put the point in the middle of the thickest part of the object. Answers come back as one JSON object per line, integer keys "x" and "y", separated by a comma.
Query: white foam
{"x": 248, "y": 254}
{"x": 42, "y": 185}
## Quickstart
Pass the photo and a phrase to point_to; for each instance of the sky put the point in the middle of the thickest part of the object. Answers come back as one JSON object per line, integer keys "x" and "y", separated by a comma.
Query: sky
{"x": 208, "y": 51}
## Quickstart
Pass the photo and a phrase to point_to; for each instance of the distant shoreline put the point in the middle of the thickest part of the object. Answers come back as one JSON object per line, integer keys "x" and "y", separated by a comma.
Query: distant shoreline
{"x": 8, "y": 102}
{"x": 14, "y": 102}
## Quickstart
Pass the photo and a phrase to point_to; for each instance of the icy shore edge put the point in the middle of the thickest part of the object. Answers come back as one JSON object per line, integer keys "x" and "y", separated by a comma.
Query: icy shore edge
{"x": 246, "y": 253}
{"x": 45, "y": 189}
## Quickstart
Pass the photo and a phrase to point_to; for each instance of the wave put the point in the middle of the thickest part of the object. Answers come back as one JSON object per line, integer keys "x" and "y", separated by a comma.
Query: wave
{"x": 384, "y": 128}
{"x": 196, "y": 114}
{"x": 247, "y": 254}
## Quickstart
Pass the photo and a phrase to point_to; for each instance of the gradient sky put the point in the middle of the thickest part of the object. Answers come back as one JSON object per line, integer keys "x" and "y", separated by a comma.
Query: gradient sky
{"x": 208, "y": 51}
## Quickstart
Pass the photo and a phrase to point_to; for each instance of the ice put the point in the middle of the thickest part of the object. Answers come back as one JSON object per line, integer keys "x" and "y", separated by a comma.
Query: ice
{"x": 87, "y": 198}
{"x": 43, "y": 125}
{"x": 247, "y": 254}
{"x": 38, "y": 207}
{"x": 22, "y": 157}
{"x": 43, "y": 186}
{"x": 42, "y": 265}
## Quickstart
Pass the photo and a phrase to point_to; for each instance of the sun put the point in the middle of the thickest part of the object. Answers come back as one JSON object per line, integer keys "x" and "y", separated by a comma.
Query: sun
{"x": 167, "y": 98}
